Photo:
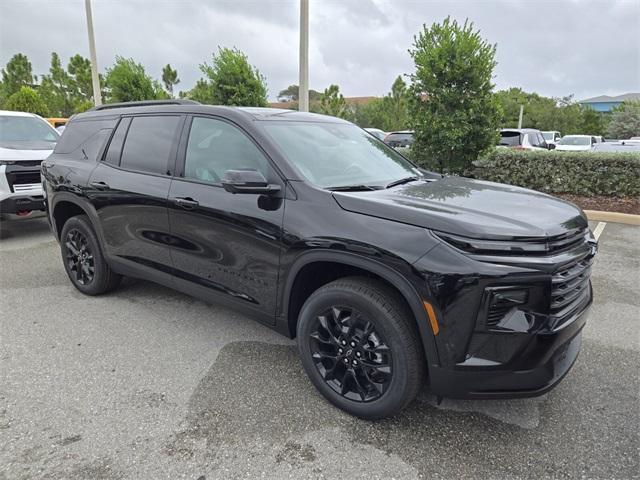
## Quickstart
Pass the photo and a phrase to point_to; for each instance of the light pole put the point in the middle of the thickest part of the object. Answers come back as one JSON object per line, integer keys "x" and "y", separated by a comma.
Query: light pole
{"x": 303, "y": 87}
{"x": 95, "y": 79}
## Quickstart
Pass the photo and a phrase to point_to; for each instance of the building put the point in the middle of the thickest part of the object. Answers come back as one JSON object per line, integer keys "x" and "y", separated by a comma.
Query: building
{"x": 605, "y": 103}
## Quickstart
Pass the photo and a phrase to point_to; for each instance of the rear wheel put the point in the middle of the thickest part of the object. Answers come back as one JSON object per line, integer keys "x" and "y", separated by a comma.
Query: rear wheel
{"x": 359, "y": 345}
{"x": 83, "y": 260}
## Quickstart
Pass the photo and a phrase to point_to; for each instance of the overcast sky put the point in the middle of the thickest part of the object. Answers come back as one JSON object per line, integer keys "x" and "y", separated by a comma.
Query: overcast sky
{"x": 555, "y": 48}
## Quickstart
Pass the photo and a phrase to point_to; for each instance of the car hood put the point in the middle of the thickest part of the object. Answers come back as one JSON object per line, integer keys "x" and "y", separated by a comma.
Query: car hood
{"x": 470, "y": 208}
{"x": 573, "y": 148}
{"x": 25, "y": 154}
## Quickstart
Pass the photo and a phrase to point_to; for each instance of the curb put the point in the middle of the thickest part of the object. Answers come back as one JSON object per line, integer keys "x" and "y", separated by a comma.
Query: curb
{"x": 614, "y": 217}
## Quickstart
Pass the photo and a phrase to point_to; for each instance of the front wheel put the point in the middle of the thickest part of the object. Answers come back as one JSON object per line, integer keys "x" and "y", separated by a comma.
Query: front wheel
{"x": 359, "y": 345}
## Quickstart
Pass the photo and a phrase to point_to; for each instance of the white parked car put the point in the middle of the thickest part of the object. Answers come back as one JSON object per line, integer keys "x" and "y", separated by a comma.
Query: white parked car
{"x": 551, "y": 136}
{"x": 376, "y": 132}
{"x": 25, "y": 140}
{"x": 522, "y": 139}
{"x": 576, "y": 143}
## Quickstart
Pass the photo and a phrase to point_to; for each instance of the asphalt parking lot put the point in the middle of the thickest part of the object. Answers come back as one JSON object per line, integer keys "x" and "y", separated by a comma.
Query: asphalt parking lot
{"x": 146, "y": 383}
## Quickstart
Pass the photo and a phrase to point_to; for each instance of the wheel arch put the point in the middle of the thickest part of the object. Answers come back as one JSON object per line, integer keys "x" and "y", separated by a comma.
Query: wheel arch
{"x": 66, "y": 206}
{"x": 307, "y": 266}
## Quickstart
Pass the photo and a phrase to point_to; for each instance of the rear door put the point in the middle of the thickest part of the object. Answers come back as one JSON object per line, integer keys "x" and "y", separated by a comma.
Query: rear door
{"x": 227, "y": 247}
{"x": 129, "y": 191}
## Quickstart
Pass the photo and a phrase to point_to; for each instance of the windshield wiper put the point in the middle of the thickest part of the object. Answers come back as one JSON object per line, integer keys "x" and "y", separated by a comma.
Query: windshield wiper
{"x": 352, "y": 188}
{"x": 401, "y": 181}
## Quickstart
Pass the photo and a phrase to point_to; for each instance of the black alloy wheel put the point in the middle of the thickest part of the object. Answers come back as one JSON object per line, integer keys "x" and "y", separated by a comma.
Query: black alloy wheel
{"x": 359, "y": 345}
{"x": 83, "y": 260}
{"x": 80, "y": 259}
{"x": 352, "y": 358}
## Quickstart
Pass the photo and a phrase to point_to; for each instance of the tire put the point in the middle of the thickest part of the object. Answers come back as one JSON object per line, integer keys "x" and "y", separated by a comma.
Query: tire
{"x": 89, "y": 273}
{"x": 381, "y": 337}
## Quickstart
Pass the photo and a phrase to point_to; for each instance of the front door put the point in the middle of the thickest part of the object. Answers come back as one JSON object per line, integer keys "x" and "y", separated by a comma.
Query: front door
{"x": 227, "y": 246}
{"x": 129, "y": 191}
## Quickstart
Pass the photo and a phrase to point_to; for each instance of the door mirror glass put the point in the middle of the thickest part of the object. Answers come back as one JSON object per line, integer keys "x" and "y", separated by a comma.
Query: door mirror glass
{"x": 247, "y": 181}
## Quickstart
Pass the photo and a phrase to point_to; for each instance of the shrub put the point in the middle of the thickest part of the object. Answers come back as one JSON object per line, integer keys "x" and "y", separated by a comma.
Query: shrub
{"x": 27, "y": 100}
{"x": 579, "y": 173}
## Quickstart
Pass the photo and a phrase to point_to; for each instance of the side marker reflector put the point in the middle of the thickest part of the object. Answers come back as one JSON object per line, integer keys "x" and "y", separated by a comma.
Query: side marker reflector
{"x": 432, "y": 317}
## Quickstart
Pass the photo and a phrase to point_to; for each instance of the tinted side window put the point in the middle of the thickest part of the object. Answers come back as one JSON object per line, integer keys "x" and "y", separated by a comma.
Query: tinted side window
{"x": 148, "y": 143}
{"x": 215, "y": 146}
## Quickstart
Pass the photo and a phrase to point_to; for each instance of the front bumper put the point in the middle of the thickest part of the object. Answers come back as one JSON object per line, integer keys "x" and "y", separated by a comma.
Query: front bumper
{"x": 509, "y": 326}
{"x": 21, "y": 203}
{"x": 548, "y": 358}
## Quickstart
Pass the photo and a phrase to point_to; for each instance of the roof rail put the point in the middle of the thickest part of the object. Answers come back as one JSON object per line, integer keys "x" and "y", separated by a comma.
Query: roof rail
{"x": 144, "y": 103}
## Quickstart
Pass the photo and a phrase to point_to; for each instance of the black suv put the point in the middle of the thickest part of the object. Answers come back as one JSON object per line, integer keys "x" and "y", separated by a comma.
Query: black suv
{"x": 388, "y": 276}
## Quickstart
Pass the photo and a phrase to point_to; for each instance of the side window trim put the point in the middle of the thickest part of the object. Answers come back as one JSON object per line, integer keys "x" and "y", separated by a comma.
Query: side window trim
{"x": 112, "y": 138}
{"x": 184, "y": 142}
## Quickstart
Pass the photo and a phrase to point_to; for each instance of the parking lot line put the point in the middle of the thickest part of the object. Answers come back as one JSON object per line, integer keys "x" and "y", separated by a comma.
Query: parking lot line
{"x": 598, "y": 230}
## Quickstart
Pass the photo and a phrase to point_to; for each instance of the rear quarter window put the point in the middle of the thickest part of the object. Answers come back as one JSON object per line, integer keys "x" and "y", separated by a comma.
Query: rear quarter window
{"x": 85, "y": 138}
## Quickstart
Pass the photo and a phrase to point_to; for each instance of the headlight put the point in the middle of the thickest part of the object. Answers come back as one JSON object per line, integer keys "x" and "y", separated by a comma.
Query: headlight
{"x": 8, "y": 162}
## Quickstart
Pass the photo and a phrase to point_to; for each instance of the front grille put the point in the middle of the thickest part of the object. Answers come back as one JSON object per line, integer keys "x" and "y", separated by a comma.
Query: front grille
{"x": 570, "y": 288}
{"x": 21, "y": 179}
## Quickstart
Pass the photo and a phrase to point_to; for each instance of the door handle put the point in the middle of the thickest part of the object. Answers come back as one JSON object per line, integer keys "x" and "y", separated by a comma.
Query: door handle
{"x": 187, "y": 203}
{"x": 99, "y": 185}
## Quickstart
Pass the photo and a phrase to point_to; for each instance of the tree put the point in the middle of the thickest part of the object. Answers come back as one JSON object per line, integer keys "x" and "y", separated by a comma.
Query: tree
{"x": 454, "y": 111}
{"x": 27, "y": 100}
{"x": 592, "y": 122}
{"x": 169, "y": 78}
{"x": 127, "y": 81}
{"x": 16, "y": 74}
{"x": 231, "y": 80}
{"x": 79, "y": 69}
{"x": 396, "y": 106}
{"x": 625, "y": 121}
{"x": 333, "y": 103}
{"x": 56, "y": 89}
{"x": 201, "y": 92}
{"x": 67, "y": 91}
{"x": 388, "y": 113}
{"x": 290, "y": 94}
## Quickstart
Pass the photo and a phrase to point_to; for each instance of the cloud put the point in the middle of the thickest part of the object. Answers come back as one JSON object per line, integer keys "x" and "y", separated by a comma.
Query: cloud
{"x": 555, "y": 48}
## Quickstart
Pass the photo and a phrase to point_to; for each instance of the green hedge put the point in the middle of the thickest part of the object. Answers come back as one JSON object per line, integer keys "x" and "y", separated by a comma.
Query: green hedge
{"x": 579, "y": 173}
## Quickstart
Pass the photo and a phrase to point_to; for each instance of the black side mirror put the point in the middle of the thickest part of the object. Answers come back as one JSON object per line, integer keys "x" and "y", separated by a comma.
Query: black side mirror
{"x": 247, "y": 181}
{"x": 551, "y": 146}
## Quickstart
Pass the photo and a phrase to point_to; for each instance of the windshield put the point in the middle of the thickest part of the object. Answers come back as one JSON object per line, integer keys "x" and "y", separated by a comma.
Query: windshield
{"x": 333, "y": 155}
{"x": 547, "y": 135}
{"x": 510, "y": 139}
{"x": 575, "y": 141}
{"x": 14, "y": 129}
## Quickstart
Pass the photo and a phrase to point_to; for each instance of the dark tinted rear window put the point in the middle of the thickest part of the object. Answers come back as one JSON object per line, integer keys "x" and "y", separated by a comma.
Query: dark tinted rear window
{"x": 148, "y": 144}
{"x": 510, "y": 139}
